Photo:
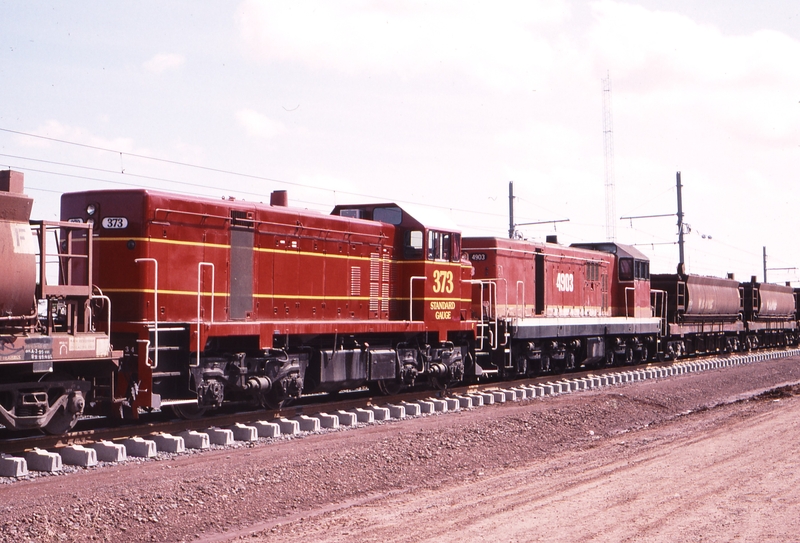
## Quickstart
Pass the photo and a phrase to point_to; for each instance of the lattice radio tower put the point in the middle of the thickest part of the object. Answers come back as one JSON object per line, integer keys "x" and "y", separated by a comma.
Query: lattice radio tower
{"x": 608, "y": 144}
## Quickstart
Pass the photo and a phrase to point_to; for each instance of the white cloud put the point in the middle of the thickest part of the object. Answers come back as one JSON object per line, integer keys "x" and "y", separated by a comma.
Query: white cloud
{"x": 671, "y": 67}
{"x": 502, "y": 43}
{"x": 163, "y": 62}
{"x": 259, "y": 125}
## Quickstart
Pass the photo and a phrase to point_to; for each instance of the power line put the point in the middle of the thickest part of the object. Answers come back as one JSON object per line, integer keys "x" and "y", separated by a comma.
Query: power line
{"x": 206, "y": 168}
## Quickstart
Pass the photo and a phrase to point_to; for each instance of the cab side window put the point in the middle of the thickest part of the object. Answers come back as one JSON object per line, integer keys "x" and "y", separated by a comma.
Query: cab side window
{"x": 626, "y": 269}
{"x": 413, "y": 245}
{"x": 443, "y": 246}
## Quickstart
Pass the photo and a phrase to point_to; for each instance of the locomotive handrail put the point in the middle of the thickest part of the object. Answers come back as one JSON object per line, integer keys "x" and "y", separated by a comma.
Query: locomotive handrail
{"x": 491, "y": 283}
{"x": 155, "y": 315}
{"x": 626, "y": 301}
{"x": 516, "y": 304}
{"x": 411, "y": 294}
{"x": 66, "y": 287}
{"x": 199, "y": 292}
{"x": 662, "y": 314}
{"x": 479, "y": 282}
{"x": 108, "y": 301}
{"x": 496, "y": 340}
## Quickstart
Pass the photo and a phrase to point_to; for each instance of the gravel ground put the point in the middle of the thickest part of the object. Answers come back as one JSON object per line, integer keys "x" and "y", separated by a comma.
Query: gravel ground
{"x": 350, "y": 485}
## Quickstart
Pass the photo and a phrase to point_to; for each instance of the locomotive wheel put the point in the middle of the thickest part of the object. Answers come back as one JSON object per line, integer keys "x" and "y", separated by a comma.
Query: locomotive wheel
{"x": 275, "y": 400}
{"x": 390, "y": 387}
{"x": 189, "y": 411}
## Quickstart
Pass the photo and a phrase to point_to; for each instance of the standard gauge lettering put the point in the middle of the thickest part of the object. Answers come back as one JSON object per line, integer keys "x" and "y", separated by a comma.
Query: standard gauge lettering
{"x": 443, "y": 310}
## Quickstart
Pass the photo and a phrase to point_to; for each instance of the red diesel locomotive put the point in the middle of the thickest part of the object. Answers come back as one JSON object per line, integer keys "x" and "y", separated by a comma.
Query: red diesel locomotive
{"x": 555, "y": 308}
{"x": 214, "y": 301}
{"x": 219, "y": 300}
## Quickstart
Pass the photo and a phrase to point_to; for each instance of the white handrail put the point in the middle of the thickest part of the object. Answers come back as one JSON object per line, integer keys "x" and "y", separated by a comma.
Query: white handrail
{"x": 492, "y": 288}
{"x": 479, "y": 282}
{"x": 660, "y": 296}
{"x": 155, "y": 315}
{"x": 108, "y": 301}
{"x": 626, "y": 301}
{"x": 411, "y": 294}
{"x": 516, "y": 304}
{"x": 199, "y": 293}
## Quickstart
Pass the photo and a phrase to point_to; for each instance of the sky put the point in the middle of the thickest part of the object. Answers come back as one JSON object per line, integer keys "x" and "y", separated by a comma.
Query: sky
{"x": 438, "y": 104}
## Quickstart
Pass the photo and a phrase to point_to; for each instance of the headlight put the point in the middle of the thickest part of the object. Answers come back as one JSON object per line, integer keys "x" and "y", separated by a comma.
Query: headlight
{"x": 90, "y": 209}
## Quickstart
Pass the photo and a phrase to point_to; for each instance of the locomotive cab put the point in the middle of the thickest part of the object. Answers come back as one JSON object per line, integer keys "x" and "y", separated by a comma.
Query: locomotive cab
{"x": 430, "y": 273}
{"x": 429, "y": 290}
{"x": 630, "y": 281}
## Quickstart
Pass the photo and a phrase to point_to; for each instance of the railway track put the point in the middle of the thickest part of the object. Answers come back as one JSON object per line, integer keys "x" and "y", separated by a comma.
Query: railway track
{"x": 86, "y": 446}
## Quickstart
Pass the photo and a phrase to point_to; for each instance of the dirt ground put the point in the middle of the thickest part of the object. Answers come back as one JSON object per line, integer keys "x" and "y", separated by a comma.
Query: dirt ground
{"x": 700, "y": 457}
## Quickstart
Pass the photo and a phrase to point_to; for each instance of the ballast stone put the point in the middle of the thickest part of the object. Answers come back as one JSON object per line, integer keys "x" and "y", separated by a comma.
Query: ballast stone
{"x": 108, "y": 451}
{"x": 78, "y": 455}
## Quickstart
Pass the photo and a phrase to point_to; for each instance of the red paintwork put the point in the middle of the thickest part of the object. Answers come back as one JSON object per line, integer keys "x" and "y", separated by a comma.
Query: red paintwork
{"x": 312, "y": 274}
{"x": 514, "y": 263}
